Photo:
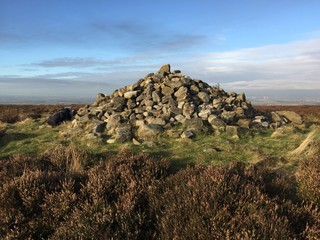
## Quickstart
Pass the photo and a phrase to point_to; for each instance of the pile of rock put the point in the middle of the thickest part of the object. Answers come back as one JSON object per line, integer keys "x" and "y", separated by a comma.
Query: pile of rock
{"x": 166, "y": 99}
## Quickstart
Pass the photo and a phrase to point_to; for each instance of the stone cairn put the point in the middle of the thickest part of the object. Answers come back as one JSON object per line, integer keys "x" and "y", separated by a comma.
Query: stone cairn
{"x": 167, "y": 100}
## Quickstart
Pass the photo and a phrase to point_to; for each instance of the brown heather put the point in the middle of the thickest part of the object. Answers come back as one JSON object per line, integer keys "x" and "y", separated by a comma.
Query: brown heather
{"x": 16, "y": 113}
{"x": 61, "y": 196}
{"x": 309, "y": 179}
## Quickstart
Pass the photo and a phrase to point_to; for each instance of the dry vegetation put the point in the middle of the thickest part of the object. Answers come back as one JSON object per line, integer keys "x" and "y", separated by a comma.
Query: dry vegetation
{"x": 309, "y": 112}
{"x": 16, "y": 113}
{"x": 137, "y": 197}
{"x": 64, "y": 193}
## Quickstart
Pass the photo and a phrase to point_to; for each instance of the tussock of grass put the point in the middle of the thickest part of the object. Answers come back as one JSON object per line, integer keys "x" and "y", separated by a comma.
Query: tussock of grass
{"x": 3, "y": 128}
{"x": 305, "y": 145}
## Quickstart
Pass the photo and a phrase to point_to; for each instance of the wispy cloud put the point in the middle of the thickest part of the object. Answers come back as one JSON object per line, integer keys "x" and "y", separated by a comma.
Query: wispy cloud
{"x": 287, "y": 67}
{"x": 74, "y": 62}
{"x": 283, "y": 66}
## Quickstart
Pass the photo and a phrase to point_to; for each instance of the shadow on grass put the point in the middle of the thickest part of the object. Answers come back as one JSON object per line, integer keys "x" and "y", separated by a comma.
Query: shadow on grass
{"x": 10, "y": 137}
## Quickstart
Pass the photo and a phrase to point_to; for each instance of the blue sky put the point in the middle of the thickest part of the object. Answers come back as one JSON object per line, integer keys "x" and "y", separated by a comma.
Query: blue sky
{"x": 77, "y": 48}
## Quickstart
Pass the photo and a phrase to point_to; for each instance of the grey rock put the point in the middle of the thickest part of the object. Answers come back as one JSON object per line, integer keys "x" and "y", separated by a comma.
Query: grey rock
{"x": 276, "y": 118}
{"x": 244, "y": 123}
{"x": 204, "y": 114}
{"x": 181, "y": 94}
{"x": 100, "y": 128}
{"x": 293, "y": 117}
{"x": 187, "y": 134}
{"x": 194, "y": 125}
{"x": 131, "y": 94}
{"x": 156, "y": 96}
{"x": 188, "y": 109}
{"x": 147, "y": 131}
{"x": 99, "y": 98}
{"x": 113, "y": 121}
{"x": 123, "y": 132}
{"x": 175, "y": 111}
{"x": 167, "y": 90}
{"x": 119, "y": 103}
{"x": 204, "y": 97}
{"x": 194, "y": 90}
{"x": 159, "y": 121}
{"x": 228, "y": 116}
{"x": 232, "y": 130}
{"x": 217, "y": 123}
{"x": 165, "y": 69}
{"x": 180, "y": 118}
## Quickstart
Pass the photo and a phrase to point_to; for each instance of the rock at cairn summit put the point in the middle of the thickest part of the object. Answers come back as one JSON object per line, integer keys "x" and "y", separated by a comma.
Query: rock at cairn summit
{"x": 162, "y": 100}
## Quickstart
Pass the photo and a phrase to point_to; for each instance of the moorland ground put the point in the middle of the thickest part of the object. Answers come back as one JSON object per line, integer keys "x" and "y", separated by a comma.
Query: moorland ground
{"x": 57, "y": 185}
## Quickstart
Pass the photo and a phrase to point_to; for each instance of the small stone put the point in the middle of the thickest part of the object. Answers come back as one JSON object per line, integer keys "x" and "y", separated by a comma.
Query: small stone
{"x": 182, "y": 93}
{"x": 175, "y": 110}
{"x": 110, "y": 141}
{"x": 187, "y": 134}
{"x": 217, "y": 123}
{"x": 228, "y": 116}
{"x": 135, "y": 141}
{"x": 180, "y": 118}
{"x": 204, "y": 97}
{"x": 149, "y": 103}
{"x": 167, "y": 90}
{"x": 131, "y": 94}
{"x": 204, "y": 114}
{"x": 232, "y": 130}
{"x": 158, "y": 120}
{"x": 244, "y": 123}
{"x": 156, "y": 97}
{"x": 209, "y": 150}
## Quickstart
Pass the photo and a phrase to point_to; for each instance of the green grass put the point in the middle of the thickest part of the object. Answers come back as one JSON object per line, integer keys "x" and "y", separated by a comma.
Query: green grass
{"x": 32, "y": 138}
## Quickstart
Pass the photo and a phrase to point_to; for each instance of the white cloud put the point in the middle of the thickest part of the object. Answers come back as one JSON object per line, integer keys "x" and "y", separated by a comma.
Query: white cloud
{"x": 284, "y": 66}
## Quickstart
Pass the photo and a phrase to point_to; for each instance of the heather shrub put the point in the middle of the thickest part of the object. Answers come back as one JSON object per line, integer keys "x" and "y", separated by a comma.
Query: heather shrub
{"x": 309, "y": 179}
{"x": 114, "y": 201}
{"x": 20, "y": 202}
{"x": 218, "y": 203}
{"x": 10, "y": 115}
{"x": 133, "y": 196}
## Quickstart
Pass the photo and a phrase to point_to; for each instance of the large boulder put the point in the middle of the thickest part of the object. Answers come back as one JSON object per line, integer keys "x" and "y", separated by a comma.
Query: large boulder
{"x": 293, "y": 117}
{"x": 61, "y": 116}
{"x": 149, "y": 131}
